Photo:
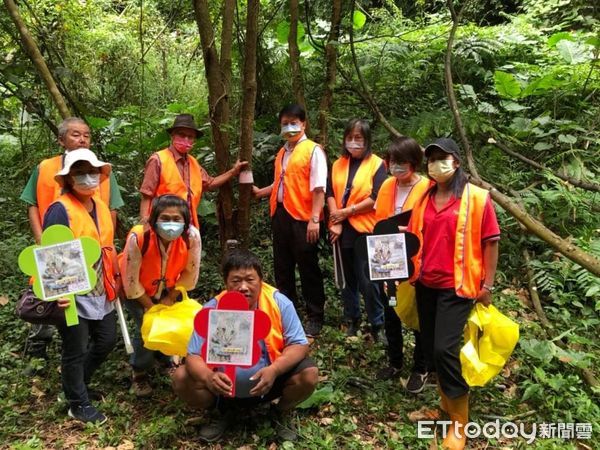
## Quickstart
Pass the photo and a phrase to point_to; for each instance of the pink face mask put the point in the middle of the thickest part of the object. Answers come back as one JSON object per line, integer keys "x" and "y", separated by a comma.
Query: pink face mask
{"x": 182, "y": 144}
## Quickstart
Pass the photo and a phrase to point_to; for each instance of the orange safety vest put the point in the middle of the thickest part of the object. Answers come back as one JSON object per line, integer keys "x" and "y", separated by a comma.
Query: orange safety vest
{"x": 386, "y": 198}
{"x": 150, "y": 270}
{"x": 468, "y": 254}
{"x": 82, "y": 224}
{"x": 297, "y": 197}
{"x": 362, "y": 187}
{"x": 171, "y": 181}
{"x": 48, "y": 190}
{"x": 268, "y": 304}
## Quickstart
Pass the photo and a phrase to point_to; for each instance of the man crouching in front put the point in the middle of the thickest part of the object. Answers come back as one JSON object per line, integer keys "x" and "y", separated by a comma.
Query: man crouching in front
{"x": 284, "y": 370}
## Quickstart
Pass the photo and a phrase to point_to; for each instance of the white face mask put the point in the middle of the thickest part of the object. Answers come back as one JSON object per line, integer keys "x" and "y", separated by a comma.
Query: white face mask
{"x": 290, "y": 130}
{"x": 399, "y": 170}
{"x": 354, "y": 147}
{"x": 86, "y": 181}
{"x": 441, "y": 170}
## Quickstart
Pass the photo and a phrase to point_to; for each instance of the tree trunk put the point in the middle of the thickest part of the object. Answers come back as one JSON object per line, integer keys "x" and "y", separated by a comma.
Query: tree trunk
{"x": 297, "y": 84}
{"x": 330, "y": 76}
{"x": 37, "y": 59}
{"x": 218, "y": 77}
{"x": 247, "y": 115}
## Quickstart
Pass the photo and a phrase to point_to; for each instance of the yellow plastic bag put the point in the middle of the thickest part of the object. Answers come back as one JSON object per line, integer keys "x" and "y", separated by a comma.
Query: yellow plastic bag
{"x": 406, "y": 305}
{"x": 168, "y": 328}
{"x": 490, "y": 338}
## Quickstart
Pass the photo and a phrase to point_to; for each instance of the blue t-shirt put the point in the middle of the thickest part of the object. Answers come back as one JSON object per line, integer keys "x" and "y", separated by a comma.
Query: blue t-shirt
{"x": 293, "y": 333}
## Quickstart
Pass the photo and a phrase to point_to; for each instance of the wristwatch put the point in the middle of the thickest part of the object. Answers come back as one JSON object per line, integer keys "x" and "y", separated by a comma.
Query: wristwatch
{"x": 489, "y": 288}
{"x": 314, "y": 219}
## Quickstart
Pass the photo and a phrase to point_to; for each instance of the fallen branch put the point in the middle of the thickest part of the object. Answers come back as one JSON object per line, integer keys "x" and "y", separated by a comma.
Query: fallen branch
{"x": 574, "y": 181}
{"x": 533, "y": 292}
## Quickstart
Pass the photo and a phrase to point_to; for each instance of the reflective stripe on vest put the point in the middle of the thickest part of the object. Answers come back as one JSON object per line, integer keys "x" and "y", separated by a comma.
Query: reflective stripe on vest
{"x": 297, "y": 197}
{"x": 468, "y": 254}
{"x": 81, "y": 224}
{"x": 362, "y": 187}
{"x": 386, "y": 198}
{"x": 171, "y": 181}
{"x": 267, "y": 303}
{"x": 150, "y": 268}
{"x": 48, "y": 190}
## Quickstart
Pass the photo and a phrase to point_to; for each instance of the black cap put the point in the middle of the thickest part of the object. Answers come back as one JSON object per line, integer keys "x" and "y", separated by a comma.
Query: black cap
{"x": 444, "y": 144}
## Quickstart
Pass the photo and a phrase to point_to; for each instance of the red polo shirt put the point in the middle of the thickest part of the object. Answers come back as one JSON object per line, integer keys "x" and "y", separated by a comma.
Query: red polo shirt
{"x": 439, "y": 236}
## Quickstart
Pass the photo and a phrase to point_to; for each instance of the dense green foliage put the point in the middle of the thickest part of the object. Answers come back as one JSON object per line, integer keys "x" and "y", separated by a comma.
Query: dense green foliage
{"x": 526, "y": 74}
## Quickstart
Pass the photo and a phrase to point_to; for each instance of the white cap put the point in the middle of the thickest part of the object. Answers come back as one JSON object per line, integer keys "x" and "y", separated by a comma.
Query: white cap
{"x": 81, "y": 154}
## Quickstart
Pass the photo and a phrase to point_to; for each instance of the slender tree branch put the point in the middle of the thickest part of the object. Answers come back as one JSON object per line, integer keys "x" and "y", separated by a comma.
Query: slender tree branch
{"x": 369, "y": 97}
{"x": 574, "y": 181}
{"x": 450, "y": 89}
{"x": 36, "y": 57}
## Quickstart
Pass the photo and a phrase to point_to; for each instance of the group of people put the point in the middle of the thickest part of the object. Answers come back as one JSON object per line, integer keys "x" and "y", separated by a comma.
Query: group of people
{"x": 455, "y": 265}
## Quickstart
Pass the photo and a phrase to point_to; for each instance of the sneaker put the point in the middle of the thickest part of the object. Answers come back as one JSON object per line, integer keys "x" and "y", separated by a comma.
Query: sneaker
{"x": 87, "y": 414}
{"x": 388, "y": 373}
{"x": 285, "y": 429}
{"x": 352, "y": 328}
{"x": 313, "y": 328}
{"x": 379, "y": 335}
{"x": 140, "y": 386}
{"x": 416, "y": 382}
{"x": 214, "y": 430}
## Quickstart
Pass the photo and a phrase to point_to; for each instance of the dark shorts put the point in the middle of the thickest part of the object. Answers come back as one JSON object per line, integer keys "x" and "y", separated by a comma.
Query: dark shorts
{"x": 275, "y": 392}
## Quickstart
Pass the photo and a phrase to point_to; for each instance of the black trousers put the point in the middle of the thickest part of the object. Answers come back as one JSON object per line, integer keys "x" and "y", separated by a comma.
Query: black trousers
{"x": 84, "y": 349}
{"x": 395, "y": 349}
{"x": 290, "y": 249}
{"x": 442, "y": 319}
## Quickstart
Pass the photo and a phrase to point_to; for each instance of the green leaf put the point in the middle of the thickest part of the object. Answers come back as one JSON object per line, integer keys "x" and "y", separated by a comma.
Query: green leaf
{"x": 521, "y": 124}
{"x": 467, "y": 91}
{"x": 572, "y": 52}
{"x": 487, "y": 108}
{"x": 541, "y": 146}
{"x": 506, "y": 84}
{"x": 567, "y": 138}
{"x": 592, "y": 290}
{"x": 540, "y": 350}
{"x": 593, "y": 41}
{"x": 557, "y": 37}
{"x": 96, "y": 123}
{"x": 283, "y": 31}
{"x": 512, "y": 106}
{"x": 318, "y": 397}
{"x": 359, "y": 19}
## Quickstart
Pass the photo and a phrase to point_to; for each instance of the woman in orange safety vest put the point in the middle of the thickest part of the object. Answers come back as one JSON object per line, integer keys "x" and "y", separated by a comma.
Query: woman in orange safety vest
{"x": 86, "y": 345}
{"x": 454, "y": 268}
{"x": 398, "y": 194}
{"x": 155, "y": 260}
{"x": 351, "y": 192}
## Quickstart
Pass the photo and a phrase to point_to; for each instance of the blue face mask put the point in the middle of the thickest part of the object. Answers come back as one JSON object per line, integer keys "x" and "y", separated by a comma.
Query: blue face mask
{"x": 169, "y": 230}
